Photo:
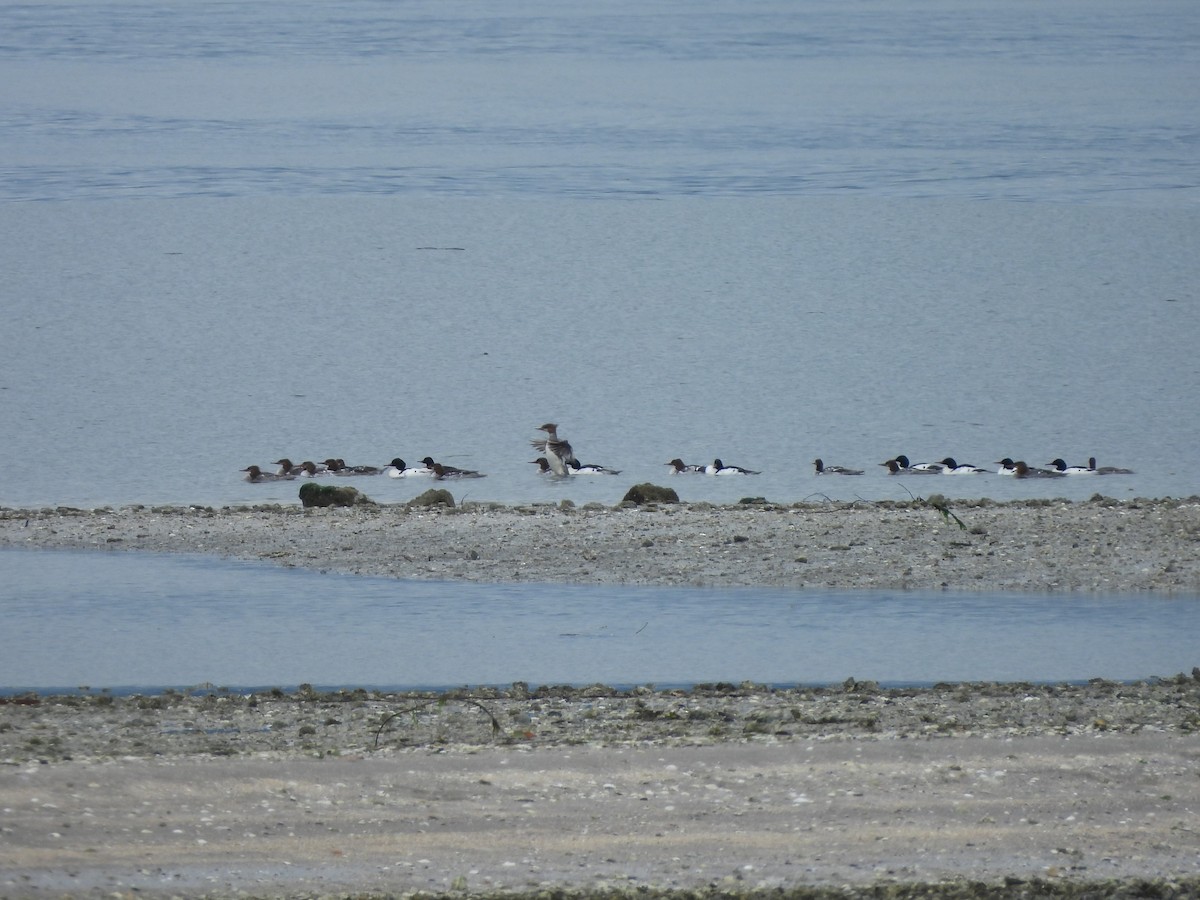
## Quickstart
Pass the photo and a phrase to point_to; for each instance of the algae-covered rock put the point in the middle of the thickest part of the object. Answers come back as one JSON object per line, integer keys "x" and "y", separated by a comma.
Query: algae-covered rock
{"x": 650, "y": 493}
{"x": 433, "y": 497}
{"x": 313, "y": 494}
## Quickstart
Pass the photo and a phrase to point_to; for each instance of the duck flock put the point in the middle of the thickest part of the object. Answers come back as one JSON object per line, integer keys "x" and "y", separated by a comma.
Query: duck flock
{"x": 557, "y": 459}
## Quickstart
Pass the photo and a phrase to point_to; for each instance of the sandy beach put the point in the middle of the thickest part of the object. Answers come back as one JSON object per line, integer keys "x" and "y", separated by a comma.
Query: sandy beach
{"x": 960, "y": 790}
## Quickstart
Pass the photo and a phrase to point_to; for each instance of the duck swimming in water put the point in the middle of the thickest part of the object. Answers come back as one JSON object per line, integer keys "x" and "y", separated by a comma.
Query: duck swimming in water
{"x": 719, "y": 468}
{"x": 823, "y": 469}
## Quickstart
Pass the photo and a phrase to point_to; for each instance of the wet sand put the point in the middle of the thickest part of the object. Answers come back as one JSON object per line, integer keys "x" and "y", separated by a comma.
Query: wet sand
{"x": 725, "y": 790}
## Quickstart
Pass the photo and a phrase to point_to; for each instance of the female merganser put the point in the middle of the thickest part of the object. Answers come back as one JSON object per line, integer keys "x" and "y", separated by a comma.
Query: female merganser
{"x": 1020, "y": 470}
{"x": 285, "y": 466}
{"x": 255, "y": 474}
{"x": 397, "y": 468}
{"x": 950, "y": 467}
{"x": 1061, "y": 466}
{"x": 339, "y": 467}
{"x": 679, "y": 467}
{"x": 1107, "y": 470}
{"x": 719, "y": 468}
{"x": 557, "y": 450}
{"x": 440, "y": 471}
{"x": 917, "y": 468}
{"x": 591, "y": 469}
{"x": 823, "y": 469}
{"x": 308, "y": 467}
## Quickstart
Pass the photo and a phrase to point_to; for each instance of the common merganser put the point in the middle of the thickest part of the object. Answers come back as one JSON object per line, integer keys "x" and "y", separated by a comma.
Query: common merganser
{"x": 679, "y": 467}
{"x": 823, "y": 469}
{"x": 397, "y": 468}
{"x": 1061, "y": 466}
{"x": 1020, "y": 470}
{"x": 719, "y": 468}
{"x": 339, "y": 467}
{"x": 902, "y": 461}
{"x": 578, "y": 468}
{"x": 557, "y": 450}
{"x": 1107, "y": 470}
{"x": 308, "y": 467}
{"x": 255, "y": 474}
{"x": 950, "y": 467}
{"x": 440, "y": 471}
{"x": 285, "y": 466}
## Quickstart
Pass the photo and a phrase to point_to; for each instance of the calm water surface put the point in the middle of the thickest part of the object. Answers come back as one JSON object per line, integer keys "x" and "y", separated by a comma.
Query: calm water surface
{"x": 119, "y": 620}
{"x": 150, "y": 354}
{"x": 1083, "y": 100}
{"x": 758, "y": 231}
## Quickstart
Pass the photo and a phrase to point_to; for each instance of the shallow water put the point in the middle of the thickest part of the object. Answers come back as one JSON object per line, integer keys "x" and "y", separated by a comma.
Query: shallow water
{"x": 120, "y": 620}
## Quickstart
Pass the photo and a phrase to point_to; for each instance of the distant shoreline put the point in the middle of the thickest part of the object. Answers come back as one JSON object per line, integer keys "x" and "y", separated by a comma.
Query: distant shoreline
{"x": 1096, "y": 546}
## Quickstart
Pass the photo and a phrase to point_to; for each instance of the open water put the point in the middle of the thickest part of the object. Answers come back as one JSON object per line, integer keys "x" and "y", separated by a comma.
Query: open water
{"x": 760, "y": 231}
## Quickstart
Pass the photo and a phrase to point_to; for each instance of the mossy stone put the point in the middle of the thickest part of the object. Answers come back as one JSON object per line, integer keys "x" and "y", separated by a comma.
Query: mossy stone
{"x": 313, "y": 494}
{"x": 433, "y": 497}
{"x": 650, "y": 493}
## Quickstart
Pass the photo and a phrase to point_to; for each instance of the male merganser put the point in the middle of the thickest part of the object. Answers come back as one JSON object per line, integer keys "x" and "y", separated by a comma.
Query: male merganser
{"x": 397, "y": 468}
{"x": 823, "y": 469}
{"x": 1061, "y": 466}
{"x": 719, "y": 468}
{"x": 440, "y": 472}
{"x": 1007, "y": 466}
{"x": 308, "y": 467}
{"x": 339, "y": 467}
{"x": 557, "y": 450}
{"x": 1020, "y": 470}
{"x": 578, "y": 468}
{"x": 917, "y": 468}
{"x": 950, "y": 467}
{"x": 1107, "y": 470}
{"x": 255, "y": 474}
{"x": 679, "y": 467}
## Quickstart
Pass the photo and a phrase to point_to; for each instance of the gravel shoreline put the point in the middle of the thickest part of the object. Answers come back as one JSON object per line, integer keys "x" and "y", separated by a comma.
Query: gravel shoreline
{"x": 723, "y": 791}
{"x": 212, "y": 721}
{"x": 959, "y": 790}
{"x": 1101, "y": 545}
